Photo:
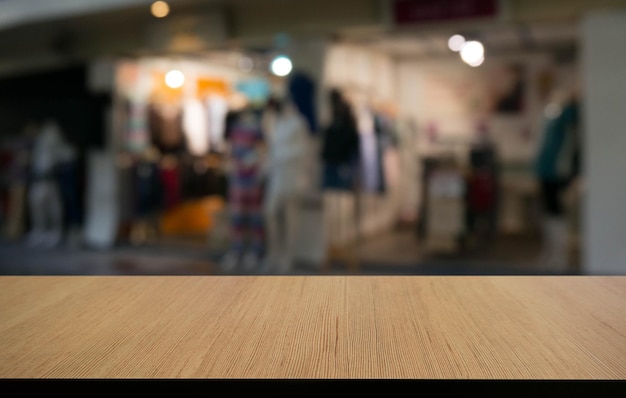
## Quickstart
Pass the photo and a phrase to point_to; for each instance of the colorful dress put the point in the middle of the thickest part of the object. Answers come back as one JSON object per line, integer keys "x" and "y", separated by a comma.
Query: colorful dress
{"x": 245, "y": 191}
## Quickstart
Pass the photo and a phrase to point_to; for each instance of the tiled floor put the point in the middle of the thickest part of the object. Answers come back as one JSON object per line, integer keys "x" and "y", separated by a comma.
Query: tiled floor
{"x": 392, "y": 254}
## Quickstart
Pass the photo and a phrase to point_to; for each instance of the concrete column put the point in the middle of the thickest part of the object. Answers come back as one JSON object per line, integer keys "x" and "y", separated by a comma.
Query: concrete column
{"x": 604, "y": 153}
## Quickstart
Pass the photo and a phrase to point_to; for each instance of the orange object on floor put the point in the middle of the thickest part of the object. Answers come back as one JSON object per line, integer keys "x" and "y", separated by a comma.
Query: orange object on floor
{"x": 191, "y": 218}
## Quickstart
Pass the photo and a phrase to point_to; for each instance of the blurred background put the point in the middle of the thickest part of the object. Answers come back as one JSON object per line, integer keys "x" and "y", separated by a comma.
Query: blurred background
{"x": 399, "y": 137}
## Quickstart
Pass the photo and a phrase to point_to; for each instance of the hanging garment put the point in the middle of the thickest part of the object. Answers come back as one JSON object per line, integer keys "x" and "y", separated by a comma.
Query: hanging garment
{"x": 137, "y": 137}
{"x": 166, "y": 128}
{"x": 557, "y": 158}
{"x": 169, "y": 175}
{"x": 386, "y": 142}
{"x": 370, "y": 152}
{"x": 195, "y": 127}
{"x": 217, "y": 109}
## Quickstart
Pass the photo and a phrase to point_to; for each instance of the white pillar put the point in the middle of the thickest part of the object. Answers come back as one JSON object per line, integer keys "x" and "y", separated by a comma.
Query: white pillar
{"x": 604, "y": 91}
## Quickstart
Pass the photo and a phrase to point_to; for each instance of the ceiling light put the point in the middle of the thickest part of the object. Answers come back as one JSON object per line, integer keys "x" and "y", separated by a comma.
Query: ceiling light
{"x": 160, "y": 9}
{"x": 281, "y": 66}
{"x": 472, "y": 52}
{"x": 174, "y": 78}
{"x": 456, "y": 42}
{"x": 477, "y": 62}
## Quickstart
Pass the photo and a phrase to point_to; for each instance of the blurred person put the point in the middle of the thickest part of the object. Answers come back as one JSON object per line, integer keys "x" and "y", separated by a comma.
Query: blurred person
{"x": 244, "y": 135}
{"x": 45, "y": 196}
{"x": 340, "y": 143}
{"x": 18, "y": 175}
{"x": 286, "y": 168}
{"x": 557, "y": 166}
{"x": 340, "y": 146}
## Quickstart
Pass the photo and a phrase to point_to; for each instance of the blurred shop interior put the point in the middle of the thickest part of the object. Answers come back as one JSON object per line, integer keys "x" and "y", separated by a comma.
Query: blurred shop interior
{"x": 273, "y": 137}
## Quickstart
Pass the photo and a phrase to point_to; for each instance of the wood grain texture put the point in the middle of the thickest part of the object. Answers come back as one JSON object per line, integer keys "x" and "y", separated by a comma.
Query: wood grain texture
{"x": 391, "y": 327}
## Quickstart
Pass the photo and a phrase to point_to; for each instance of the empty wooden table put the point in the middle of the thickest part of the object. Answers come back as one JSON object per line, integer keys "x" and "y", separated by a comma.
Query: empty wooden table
{"x": 313, "y": 327}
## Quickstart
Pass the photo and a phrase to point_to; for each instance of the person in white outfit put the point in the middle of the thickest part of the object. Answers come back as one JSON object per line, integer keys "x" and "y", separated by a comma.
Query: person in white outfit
{"x": 287, "y": 178}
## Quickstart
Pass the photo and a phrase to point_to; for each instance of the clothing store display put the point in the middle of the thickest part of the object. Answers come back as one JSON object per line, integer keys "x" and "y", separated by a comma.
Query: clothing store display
{"x": 287, "y": 182}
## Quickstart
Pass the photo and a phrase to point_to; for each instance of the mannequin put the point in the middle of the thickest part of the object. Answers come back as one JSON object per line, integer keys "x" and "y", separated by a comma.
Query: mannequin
{"x": 244, "y": 134}
{"x": 556, "y": 167}
{"x": 45, "y": 201}
{"x": 287, "y": 181}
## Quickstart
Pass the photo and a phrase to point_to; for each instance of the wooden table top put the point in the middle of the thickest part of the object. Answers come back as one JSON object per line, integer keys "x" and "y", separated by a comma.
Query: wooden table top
{"x": 313, "y": 327}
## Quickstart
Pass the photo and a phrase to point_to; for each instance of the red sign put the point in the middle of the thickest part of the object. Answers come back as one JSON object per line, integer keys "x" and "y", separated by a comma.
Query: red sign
{"x": 408, "y": 12}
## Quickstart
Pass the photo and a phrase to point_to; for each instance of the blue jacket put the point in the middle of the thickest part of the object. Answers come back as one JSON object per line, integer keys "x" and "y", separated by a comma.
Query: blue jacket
{"x": 558, "y": 152}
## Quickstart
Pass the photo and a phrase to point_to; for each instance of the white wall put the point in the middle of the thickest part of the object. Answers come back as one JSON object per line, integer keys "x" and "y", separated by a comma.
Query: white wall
{"x": 604, "y": 71}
